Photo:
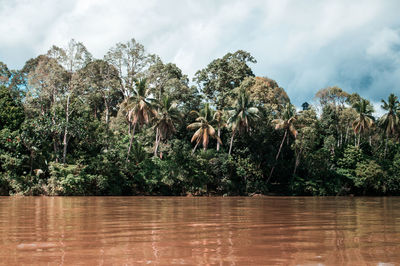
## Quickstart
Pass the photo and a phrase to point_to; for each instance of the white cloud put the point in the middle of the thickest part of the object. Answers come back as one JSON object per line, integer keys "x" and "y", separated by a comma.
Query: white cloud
{"x": 304, "y": 45}
{"x": 378, "y": 110}
{"x": 382, "y": 42}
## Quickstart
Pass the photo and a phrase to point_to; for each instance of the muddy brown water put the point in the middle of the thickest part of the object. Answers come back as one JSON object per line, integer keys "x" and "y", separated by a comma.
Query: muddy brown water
{"x": 199, "y": 231}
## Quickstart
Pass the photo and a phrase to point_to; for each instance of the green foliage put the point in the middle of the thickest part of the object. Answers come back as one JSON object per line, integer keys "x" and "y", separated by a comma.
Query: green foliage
{"x": 369, "y": 175}
{"x": 74, "y": 125}
{"x": 392, "y": 178}
{"x": 351, "y": 157}
{"x": 265, "y": 92}
{"x": 250, "y": 175}
{"x": 66, "y": 179}
{"x": 365, "y": 121}
{"x": 5, "y": 74}
{"x": 390, "y": 122}
{"x": 224, "y": 74}
{"x": 11, "y": 111}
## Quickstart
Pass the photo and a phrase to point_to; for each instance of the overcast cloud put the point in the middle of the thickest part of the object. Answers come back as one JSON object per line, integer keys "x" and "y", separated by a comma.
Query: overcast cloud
{"x": 303, "y": 45}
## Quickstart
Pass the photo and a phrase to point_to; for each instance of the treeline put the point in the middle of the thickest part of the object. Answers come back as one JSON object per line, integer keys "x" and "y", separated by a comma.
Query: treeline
{"x": 130, "y": 124}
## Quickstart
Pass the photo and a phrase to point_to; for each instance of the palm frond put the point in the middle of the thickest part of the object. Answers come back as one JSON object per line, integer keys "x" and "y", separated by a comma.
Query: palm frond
{"x": 211, "y": 130}
{"x": 197, "y": 135}
{"x": 194, "y": 125}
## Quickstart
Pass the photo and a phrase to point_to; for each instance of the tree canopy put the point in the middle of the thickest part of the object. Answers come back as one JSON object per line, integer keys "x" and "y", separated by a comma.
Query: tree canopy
{"x": 131, "y": 124}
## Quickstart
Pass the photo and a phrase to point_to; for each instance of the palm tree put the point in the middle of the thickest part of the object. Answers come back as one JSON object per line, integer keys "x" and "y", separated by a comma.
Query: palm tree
{"x": 241, "y": 115}
{"x": 286, "y": 122}
{"x": 204, "y": 129}
{"x": 167, "y": 115}
{"x": 390, "y": 122}
{"x": 218, "y": 118}
{"x": 139, "y": 108}
{"x": 365, "y": 120}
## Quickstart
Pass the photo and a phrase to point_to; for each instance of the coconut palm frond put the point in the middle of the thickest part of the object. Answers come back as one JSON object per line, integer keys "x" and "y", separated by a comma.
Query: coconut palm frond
{"x": 197, "y": 135}
{"x": 194, "y": 125}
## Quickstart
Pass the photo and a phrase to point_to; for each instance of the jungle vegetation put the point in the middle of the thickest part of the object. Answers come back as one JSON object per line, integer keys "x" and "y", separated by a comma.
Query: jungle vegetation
{"x": 130, "y": 124}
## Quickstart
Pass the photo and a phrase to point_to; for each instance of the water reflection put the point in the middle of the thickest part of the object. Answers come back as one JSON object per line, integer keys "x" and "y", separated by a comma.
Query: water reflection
{"x": 208, "y": 231}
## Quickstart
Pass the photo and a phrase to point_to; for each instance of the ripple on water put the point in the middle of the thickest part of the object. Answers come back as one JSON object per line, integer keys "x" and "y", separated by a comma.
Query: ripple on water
{"x": 164, "y": 231}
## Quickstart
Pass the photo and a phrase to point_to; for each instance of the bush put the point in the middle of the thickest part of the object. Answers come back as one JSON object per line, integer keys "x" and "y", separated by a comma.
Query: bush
{"x": 369, "y": 176}
{"x": 66, "y": 179}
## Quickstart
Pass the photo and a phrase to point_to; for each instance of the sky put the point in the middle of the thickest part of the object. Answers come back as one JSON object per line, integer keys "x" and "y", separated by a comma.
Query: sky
{"x": 303, "y": 45}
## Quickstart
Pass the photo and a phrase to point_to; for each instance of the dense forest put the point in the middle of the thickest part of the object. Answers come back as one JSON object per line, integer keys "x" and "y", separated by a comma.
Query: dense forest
{"x": 130, "y": 124}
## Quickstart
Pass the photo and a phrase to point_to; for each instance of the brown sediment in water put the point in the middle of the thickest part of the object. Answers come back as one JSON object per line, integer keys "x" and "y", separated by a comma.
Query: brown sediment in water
{"x": 199, "y": 230}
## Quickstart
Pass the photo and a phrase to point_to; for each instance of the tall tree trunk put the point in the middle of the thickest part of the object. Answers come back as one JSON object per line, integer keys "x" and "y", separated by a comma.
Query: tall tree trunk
{"x": 386, "y": 145}
{"x": 53, "y": 121}
{"x": 55, "y": 148}
{"x": 65, "y": 143}
{"x": 270, "y": 173}
{"x": 157, "y": 142}
{"x": 65, "y": 139}
{"x": 130, "y": 141}
{"x": 158, "y": 145}
{"x": 197, "y": 143}
{"x": 341, "y": 139}
{"x": 107, "y": 112}
{"x": 230, "y": 146}
{"x": 280, "y": 147}
{"x": 31, "y": 160}
{"x": 277, "y": 155}
{"x": 219, "y": 136}
{"x": 297, "y": 162}
{"x": 338, "y": 134}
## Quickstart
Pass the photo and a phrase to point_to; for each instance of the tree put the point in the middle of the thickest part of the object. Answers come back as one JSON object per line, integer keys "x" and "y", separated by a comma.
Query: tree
{"x": 345, "y": 121}
{"x": 11, "y": 111}
{"x": 224, "y": 74}
{"x": 332, "y": 100}
{"x": 5, "y": 74}
{"x": 369, "y": 175}
{"x": 204, "y": 129}
{"x": 365, "y": 120}
{"x": 166, "y": 116}
{"x": 265, "y": 92}
{"x": 286, "y": 122}
{"x": 167, "y": 79}
{"x": 73, "y": 58}
{"x": 101, "y": 82}
{"x": 218, "y": 119}
{"x": 390, "y": 122}
{"x": 306, "y": 139}
{"x": 47, "y": 81}
{"x": 130, "y": 60}
{"x": 332, "y": 95}
{"x": 139, "y": 108}
{"x": 242, "y": 115}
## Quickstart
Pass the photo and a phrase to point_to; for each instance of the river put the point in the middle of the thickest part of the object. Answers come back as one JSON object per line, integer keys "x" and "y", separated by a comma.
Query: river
{"x": 199, "y": 231}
